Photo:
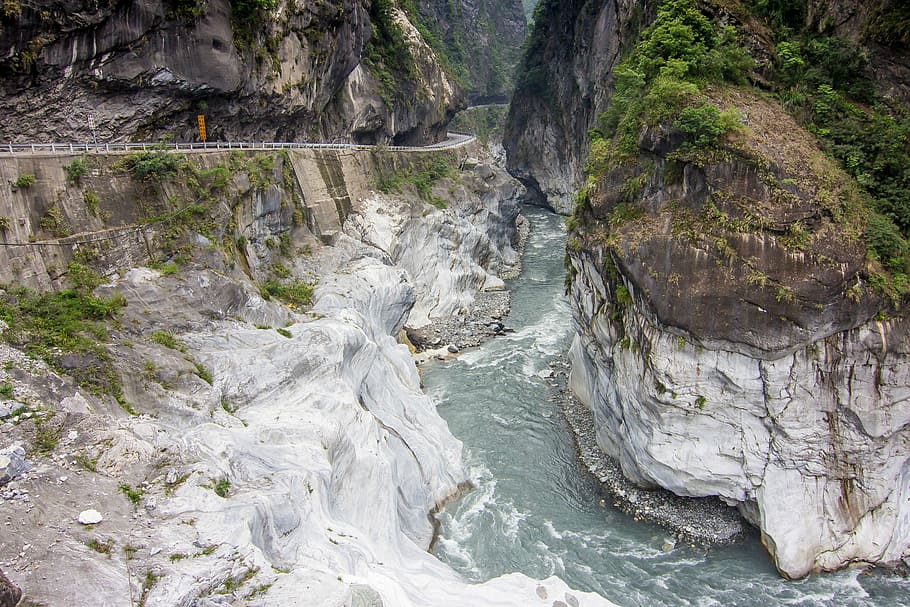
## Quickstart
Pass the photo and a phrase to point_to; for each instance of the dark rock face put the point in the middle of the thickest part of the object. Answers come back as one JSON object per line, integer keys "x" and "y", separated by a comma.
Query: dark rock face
{"x": 867, "y": 23}
{"x": 146, "y": 68}
{"x": 564, "y": 85}
{"x": 9, "y": 592}
{"x": 484, "y": 38}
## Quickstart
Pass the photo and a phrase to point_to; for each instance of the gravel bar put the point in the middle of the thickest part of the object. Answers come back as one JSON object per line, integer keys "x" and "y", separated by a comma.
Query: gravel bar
{"x": 699, "y": 521}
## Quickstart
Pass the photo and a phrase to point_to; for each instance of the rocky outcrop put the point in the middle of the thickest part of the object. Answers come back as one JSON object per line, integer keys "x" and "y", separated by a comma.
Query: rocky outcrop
{"x": 728, "y": 346}
{"x": 479, "y": 223}
{"x": 258, "y": 71}
{"x": 9, "y": 592}
{"x": 564, "y": 83}
{"x": 482, "y": 39}
{"x": 731, "y": 339}
{"x": 275, "y": 454}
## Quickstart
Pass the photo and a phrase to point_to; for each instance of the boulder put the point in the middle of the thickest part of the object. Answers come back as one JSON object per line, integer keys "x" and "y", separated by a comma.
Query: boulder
{"x": 9, "y": 592}
{"x": 12, "y": 463}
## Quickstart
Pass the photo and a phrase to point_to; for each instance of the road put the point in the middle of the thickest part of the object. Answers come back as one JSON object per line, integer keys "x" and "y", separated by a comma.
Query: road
{"x": 453, "y": 140}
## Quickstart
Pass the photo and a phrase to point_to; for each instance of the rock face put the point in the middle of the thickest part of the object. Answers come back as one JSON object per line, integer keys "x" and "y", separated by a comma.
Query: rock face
{"x": 12, "y": 463}
{"x": 303, "y": 469}
{"x": 564, "y": 83}
{"x": 146, "y": 68}
{"x": 484, "y": 38}
{"x": 480, "y": 224}
{"x": 9, "y": 593}
{"x": 727, "y": 335}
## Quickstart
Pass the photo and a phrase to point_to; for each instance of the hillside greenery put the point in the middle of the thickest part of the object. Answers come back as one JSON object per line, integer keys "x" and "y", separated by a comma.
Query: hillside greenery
{"x": 823, "y": 81}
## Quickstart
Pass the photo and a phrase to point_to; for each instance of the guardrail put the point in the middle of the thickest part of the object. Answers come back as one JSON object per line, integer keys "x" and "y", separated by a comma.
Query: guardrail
{"x": 453, "y": 140}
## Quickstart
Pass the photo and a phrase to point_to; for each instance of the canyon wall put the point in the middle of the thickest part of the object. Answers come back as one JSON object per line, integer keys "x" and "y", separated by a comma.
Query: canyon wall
{"x": 278, "y": 71}
{"x": 253, "y": 449}
{"x": 740, "y": 330}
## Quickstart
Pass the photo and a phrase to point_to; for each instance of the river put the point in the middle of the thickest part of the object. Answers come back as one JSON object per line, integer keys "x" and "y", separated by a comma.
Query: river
{"x": 537, "y": 512}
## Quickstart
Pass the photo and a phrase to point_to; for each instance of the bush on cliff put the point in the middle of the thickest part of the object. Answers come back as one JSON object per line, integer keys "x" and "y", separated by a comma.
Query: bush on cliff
{"x": 665, "y": 73}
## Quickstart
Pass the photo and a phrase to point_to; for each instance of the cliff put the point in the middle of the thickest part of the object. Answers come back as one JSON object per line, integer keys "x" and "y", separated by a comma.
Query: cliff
{"x": 564, "y": 82}
{"x": 231, "y": 394}
{"x": 269, "y": 70}
{"x": 737, "y": 257}
{"x": 482, "y": 41}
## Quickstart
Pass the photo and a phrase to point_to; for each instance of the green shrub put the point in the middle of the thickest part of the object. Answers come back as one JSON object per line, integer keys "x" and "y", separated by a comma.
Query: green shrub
{"x": 167, "y": 340}
{"x": 46, "y": 437}
{"x": 705, "y": 124}
{"x": 25, "y": 180}
{"x": 153, "y": 166}
{"x": 71, "y": 321}
{"x": 133, "y": 495}
{"x": 6, "y": 390}
{"x": 203, "y": 373}
{"x": 12, "y": 9}
{"x": 295, "y": 292}
{"x": 82, "y": 277}
{"x": 92, "y": 202}
{"x": 77, "y": 169}
{"x": 5, "y": 223}
{"x": 284, "y": 333}
{"x": 664, "y": 74}
{"x": 222, "y": 487}
{"x": 886, "y": 243}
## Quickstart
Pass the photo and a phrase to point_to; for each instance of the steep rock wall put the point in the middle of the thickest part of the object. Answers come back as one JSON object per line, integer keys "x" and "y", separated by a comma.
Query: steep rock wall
{"x": 813, "y": 446}
{"x": 564, "y": 83}
{"x": 484, "y": 39}
{"x": 724, "y": 300}
{"x": 302, "y": 467}
{"x": 145, "y": 68}
{"x": 721, "y": 356}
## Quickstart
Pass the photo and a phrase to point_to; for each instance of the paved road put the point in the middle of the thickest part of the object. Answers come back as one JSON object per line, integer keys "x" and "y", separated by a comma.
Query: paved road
{"x": 453, "y": 140}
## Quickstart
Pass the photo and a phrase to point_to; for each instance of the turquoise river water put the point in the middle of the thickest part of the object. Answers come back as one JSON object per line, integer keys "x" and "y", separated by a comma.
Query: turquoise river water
{"x": 536, "y": 511}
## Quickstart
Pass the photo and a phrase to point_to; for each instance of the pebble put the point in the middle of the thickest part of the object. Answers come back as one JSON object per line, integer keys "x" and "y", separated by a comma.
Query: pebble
{"x": 90, "y": 517}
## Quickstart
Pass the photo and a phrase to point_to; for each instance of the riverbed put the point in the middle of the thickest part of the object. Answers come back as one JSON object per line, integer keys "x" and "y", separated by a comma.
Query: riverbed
{"x": 536, "y": 511}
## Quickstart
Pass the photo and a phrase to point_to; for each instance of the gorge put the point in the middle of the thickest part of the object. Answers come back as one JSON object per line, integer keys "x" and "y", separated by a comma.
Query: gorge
{"x": 249, "y": 376}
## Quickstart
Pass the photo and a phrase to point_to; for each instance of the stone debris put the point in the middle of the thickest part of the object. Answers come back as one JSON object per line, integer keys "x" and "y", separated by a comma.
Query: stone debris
{"x": 697, "y": 521}
{"x": 12, "y": 463}
{"x": 467, "y": 330}
{"x": 90, "y": 517}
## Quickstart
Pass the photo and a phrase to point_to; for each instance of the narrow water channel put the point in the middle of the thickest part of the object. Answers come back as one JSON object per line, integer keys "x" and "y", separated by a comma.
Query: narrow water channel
{"x": 534, "y": 509}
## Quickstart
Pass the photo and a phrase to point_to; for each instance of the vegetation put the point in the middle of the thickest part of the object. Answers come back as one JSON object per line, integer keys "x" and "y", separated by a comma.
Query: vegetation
{"x": 662, "y": 81}
{"x": 54, "y": 222}
{"x": 101, "y": 546}
{"x": 684, "y": 60}
{"x": 133, "y": 495}
{"x": 487, "y": 123}
{"x": 222, "y": 487}
{"x": 25, "y": 180}
{"x": 825, "y": 82}
{"x": 154, "y": 166}
{"x": 296, "y": 293}
{"x": 66, "y": 327}
{"x": 77, "y": 169}
{"x": 167, "y": 340}
{"x": 11, "y": 9}
{"x": 46, "y": 437}
{"x": 387, "y": 53}
{"x": 422, "y": 177}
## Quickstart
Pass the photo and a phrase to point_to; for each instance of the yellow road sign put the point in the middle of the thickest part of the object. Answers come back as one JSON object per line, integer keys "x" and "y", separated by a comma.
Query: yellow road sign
{"x": 201, "y": 120}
